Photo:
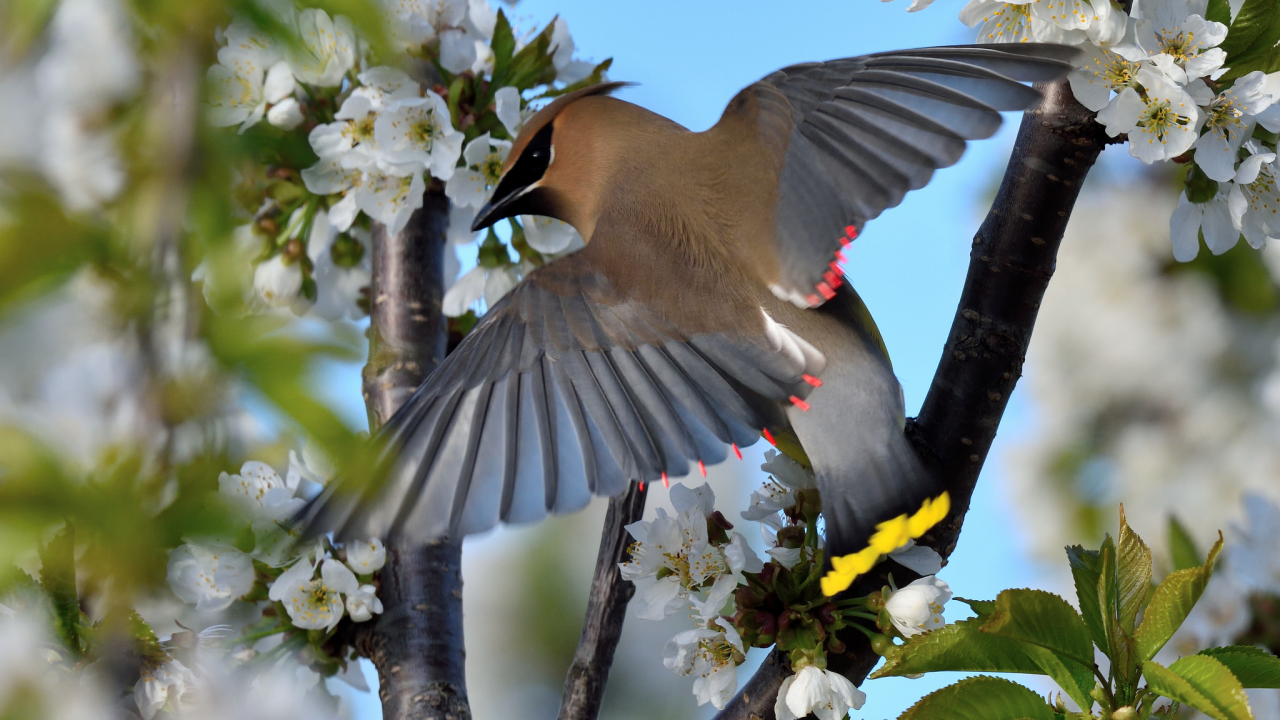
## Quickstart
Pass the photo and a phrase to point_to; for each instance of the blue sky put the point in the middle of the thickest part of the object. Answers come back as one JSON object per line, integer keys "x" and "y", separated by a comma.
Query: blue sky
{"x": 909, "y": 265}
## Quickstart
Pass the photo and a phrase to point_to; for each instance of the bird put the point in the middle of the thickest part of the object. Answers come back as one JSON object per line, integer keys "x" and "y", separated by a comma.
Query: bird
{"x": 706, "y": 310}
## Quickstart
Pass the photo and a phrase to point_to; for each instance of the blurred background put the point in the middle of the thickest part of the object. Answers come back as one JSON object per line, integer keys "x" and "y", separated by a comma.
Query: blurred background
{"x": 1150, "y": 384}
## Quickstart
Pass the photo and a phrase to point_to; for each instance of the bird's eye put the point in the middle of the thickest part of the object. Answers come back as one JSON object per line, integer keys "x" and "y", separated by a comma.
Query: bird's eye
{"x": 538, "y": 154}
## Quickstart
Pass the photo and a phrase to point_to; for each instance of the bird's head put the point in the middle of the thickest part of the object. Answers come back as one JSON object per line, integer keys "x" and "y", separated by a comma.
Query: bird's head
{"x": 554, "y": 166}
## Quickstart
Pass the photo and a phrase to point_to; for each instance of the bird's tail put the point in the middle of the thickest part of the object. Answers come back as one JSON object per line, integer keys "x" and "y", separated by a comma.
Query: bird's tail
{"x": 875, "y": 505}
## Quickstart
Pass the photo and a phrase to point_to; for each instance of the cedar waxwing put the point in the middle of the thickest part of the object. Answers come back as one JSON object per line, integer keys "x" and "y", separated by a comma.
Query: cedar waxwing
{"x": 707, "y": 309}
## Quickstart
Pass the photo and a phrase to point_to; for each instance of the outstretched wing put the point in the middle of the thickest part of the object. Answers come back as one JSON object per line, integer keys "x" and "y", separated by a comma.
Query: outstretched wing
{"x": 853, "y": 136}
{"x": 565, "y": 389}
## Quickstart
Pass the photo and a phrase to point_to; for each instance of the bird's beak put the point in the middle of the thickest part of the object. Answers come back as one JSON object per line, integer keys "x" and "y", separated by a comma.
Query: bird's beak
{"x": 493, "y": 211}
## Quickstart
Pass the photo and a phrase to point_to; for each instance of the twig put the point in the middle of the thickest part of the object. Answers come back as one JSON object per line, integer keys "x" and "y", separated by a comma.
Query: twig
{"x": 584, "y": 685}
{"x": 1010, "y": 265}
{"x": 417, "y": 642}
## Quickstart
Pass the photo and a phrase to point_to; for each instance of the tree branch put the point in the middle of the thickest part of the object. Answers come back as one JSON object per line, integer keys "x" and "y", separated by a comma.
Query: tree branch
{"x": 585, "y": 682}
{"x": 417, "y": 642}
{"x": 1013, "y": 257}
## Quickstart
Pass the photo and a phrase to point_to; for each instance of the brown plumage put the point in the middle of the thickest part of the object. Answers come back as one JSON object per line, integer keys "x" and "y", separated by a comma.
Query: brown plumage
{"x": 707, "y": 308}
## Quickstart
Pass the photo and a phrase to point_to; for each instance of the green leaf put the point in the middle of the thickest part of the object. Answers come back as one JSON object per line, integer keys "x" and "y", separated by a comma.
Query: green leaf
{"x": 1171, "y": 603}
{"x": 531, "y": 66}
{"x": 58, "y": 578}
{"x": 1252, "y": 666}
{"x": 1203, "y": 683}
{"x": 503, "y": 45}
{"x": 1182, "y": 548}
{"x": 1054, "y": 637}
{"x": 1268, "y": 63}
{"x": 981, "y": 698}
{"x": 595, "y": 77}
{"x": 1086, "y": 568}
{"x": 960, "y": 647}
{"x": 1219, "y": 11}
{"x": 1254, "y": 31}
{"x": 982, "y": 608}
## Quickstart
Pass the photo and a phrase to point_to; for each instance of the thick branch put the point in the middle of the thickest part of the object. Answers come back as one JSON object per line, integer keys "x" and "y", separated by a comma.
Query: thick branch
{"x": 1010, "y": 265}
{"x": 416, "y": 643}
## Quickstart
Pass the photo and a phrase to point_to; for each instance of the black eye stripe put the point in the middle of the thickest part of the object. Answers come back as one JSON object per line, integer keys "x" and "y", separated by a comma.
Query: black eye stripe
{"x": 529, "y": 167}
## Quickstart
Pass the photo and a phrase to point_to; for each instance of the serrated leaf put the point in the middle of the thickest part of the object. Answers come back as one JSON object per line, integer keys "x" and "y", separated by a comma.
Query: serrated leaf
{"x": 1203, "y": 683}
{"x": 982, "y": 608}
{"x": 960, "y": 647}
{"x": 1218, "y": 11}
{"x": 595, "y": 77}
{"x": 1171, "y": 603}
{"x": 1086, "y": 568}
{"x": 58, "y": 579}
{"x": 1054, "y": 638}
{"x": 1133, "y": 574}
{"x": 1252, "y": 666}
{"x": 532, "y": 65}
{"x": 1182, "y": 547}
{"x": 1267, "y": 63}
{"x": 1254, "y": 31}
{"x": 981, "y": 698}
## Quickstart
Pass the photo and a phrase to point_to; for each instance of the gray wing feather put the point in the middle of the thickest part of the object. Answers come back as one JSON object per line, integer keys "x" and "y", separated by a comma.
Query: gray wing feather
{"x": 554, "y": 397}
{"x": 864, "y": 131}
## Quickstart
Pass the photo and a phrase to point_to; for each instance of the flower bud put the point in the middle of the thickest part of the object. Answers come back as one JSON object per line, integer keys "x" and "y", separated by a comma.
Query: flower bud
{"x": 293, "y": 250}
{"x": 1124, "y": 713}
{"x": 767, "y": 623}
{"x": 720, "y": 520}
{"x": 881, "y": 644}
{"x": 827, "y": 614}
{"x": 784, "y": 619}
{"x": 834, "y": 645}
{"x": 346, "y": 251}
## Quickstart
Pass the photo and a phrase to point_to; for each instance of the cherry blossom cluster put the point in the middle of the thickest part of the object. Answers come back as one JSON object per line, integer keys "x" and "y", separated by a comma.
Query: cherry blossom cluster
{"x": 312, "y": 588}
{"x": 695, "y": 562}
{"x": 1161, "y": 79}
{"x": 381, "y": 139}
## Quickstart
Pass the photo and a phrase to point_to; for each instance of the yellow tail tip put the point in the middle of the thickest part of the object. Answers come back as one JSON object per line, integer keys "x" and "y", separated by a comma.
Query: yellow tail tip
{"x": 889, "y": 536}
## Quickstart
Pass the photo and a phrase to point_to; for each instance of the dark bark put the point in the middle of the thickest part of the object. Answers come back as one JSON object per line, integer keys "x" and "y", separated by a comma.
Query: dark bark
{"x": 584, "y": 685}
{"x": 416, "y": 643}
{"x": 1013, "y": 257}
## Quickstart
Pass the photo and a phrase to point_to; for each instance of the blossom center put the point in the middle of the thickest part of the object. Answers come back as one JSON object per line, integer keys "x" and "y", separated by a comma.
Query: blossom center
{"x": 1181, "y": 45}
{"x": 1160, "y": 118}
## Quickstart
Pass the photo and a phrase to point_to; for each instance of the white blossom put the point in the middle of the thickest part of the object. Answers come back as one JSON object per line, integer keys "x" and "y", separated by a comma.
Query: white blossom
{"x": 326, "y": 48}
{"x": 1255, "y": 199}
{"x": 339, "y": 277}
{"x": 421, "y": 20}
{"x": 464, "y": 293}
{"x": 1162, "y": 126}
{"x": 826, "y": 694}
{"x": 785, "y": 556}
{"x": 286, "y": 114}
{"x": 209, "y": 576}
{"x": 787, "y": 477}
{"x": 315, "y": 603}
{"x": 919, "y": 558}
{"x": 391, "y": 200}
{"x": 169, "y": 686}
{"x": 473, "y": 183}
{"x": 363, "y": 604}
{"x": 460, "y": 219}
{"x": 507, "y": 106}
{"x": 712, "y": 653}
{"x": 568, "y": 70}
{"x": 277, "y": 281}
{"x": 366, "y": 556}
{"x": 918, "y": 607}
{"x": 550, "y": 236}
{"x": 1229, "y": 121}
{"x": 1100, "y": 73}
{"x": 311, "y": 464}
{"x": 1213, "y": 218}
{"x": 260, "y": 492}
{"x": 1015, "y": 22}
{"x": 498, "y": 282}
{"x": 1170, "y": 28}
{"x": 416, "y": 133}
